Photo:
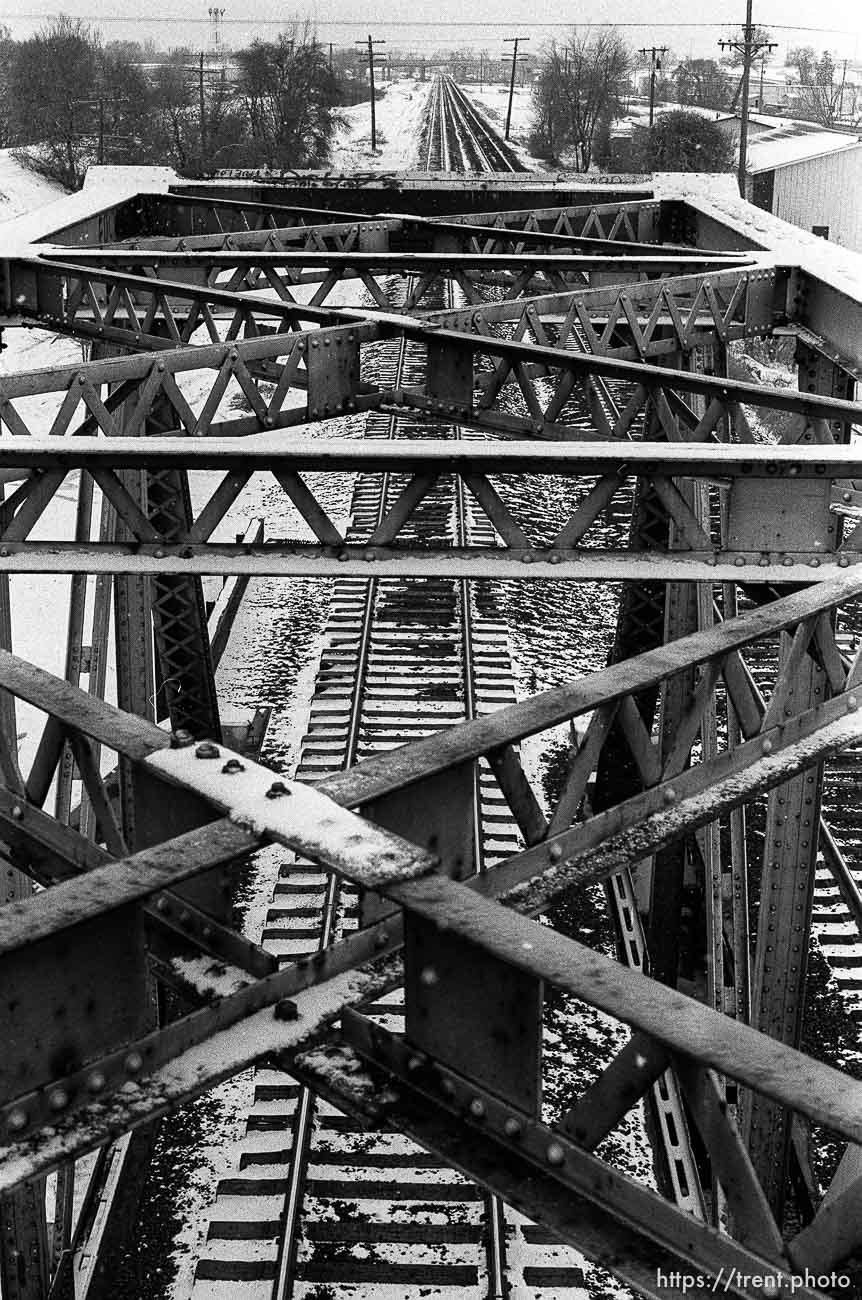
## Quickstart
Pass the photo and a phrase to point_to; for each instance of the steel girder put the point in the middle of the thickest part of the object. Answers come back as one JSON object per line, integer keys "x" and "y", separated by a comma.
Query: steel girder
{"x": 787, "y": 542}
{"x": 556, "y": 366}
{"x": 268, "y": 1015}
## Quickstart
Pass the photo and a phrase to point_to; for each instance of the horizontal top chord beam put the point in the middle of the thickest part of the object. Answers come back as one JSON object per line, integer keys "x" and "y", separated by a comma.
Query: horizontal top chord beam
{"x": 650, "y": 262}
{"x": 713, "y": 461}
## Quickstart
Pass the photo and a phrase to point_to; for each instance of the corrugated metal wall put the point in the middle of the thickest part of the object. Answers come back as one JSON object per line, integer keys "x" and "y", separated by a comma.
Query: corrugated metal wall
{"x": 823, "y": 191}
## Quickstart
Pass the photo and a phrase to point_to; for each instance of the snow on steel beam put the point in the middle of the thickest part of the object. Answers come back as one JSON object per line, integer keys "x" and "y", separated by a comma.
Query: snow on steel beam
{"x": 716, "y": 462}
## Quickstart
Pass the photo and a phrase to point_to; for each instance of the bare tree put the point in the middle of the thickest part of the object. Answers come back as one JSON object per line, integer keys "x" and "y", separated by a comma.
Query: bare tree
{"x": 702, "y": 83}
{"x": 7, "y": 55}
{"x": 290, "y": 98}
{"x": 579, "y": 86}
{"x": 54, "y": 76}
{"x": 824, "y": 96}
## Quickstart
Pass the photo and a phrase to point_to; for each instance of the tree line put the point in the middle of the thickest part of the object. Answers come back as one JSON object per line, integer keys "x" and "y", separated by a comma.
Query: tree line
{"x": 67, "y": 100}
{"x": 582, "y": 86}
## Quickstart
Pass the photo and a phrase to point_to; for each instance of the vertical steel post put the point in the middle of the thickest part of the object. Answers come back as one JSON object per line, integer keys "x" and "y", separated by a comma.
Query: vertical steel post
{"x": 789, "y": 863}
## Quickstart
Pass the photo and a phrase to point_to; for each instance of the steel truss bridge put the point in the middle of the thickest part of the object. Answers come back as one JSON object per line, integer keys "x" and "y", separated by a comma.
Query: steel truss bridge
{"x": 629, "y": 300}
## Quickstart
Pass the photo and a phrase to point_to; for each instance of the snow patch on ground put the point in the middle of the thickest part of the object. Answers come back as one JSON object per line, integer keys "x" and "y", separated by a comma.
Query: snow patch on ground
{"x": 21, "y": 190}
{"x": 399, "y": 118}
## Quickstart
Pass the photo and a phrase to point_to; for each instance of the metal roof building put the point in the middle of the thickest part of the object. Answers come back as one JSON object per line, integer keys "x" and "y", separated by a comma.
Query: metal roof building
{"x": 811, "y": 177}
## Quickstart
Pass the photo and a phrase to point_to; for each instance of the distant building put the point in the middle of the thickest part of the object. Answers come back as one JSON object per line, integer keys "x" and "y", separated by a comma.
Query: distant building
{"x": 809, "y": 176}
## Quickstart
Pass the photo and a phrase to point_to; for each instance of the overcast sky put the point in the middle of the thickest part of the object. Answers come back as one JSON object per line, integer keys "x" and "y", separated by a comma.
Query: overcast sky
{"x": 521, "y": 14}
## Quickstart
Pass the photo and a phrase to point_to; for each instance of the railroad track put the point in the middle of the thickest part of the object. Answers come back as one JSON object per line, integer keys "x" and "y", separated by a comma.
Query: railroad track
{"x": 457, "y": 137}
{"x": 316, "y": 1208}
{"x": 315, "y": 1204}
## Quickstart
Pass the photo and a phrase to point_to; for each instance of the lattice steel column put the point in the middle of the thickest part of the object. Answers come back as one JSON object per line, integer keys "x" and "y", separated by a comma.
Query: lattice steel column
{"x": 790, "y": 852}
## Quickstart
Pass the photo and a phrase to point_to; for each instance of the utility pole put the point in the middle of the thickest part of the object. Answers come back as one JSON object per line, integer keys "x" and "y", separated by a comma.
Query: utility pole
{"x": 655, "y": 52}
{"x": 371, "y": 80}
{"x": 512, "y": 40}
{"x": 749, "y": 47}
{"x": 202, "y": 108}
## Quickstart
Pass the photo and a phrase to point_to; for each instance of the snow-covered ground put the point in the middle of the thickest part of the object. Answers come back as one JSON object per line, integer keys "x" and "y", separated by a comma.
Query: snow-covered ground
{"x": 398, "y": 119}
{"x": 22, "y": 191}
{"x": 493, "y": 100}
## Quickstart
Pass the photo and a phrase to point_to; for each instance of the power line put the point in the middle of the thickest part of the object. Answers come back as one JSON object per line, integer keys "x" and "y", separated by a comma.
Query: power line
{"x": 749, "y": 47}
{"x": 514, "y": 41}
{"x": 654, "y": 51}
{"x": 564, "y": 26}
{"x": 371, "y": 80}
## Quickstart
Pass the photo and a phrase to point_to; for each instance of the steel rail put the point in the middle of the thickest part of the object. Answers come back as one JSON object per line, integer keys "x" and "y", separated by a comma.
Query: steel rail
{"x": 305, "y": 1113}
{"x": 487, "y": 147}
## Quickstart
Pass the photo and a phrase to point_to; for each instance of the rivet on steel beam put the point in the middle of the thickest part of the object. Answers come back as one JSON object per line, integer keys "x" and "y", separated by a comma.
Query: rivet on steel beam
{"x": 739, "y": 562}
{"x": 58, "y": 1099}
{"x": 277, "y": 790}
{"x": 428, "y": 976}
{"x": 181, "y": 739}
{"x": 554, "y": 852}
{"x": 17, "y": 1119}
{"x": 763, "y": 561}
{"x": 4, "y": 551}
{"x": 82, "y": 379}
{"x": 669, "y": 795}
{"x": 526, "y": 946}
{"x": 477, "y": 1108}
{"x": 512, "y": 1127}
{"x": 852, "y": 703}
{"x": 843, "y": 561}
{"x": 787, "y": 561}
{"x": 232, "y": 766}
{"x": 185, "y": 918}
{"x": 206, "y": 749}
{"x": 96, "y": 1081}
{"x": 163, "y": 904}
{"x": 315, "y": 343}
{"x": 846, "y": 496}
{"x": 415, "y": 1062}
{"x": 555, "y": 1154}
{"x": 527, "y": 557}
{"x": 207, "y": 932}
{"x": 447, "y": 1087}
{"x": 554, "y": 557}
{"x": 17, "y": 812}
{"x": 381, "y": 939}
{"x": 158, "y": 554}
{"x": 133, "y": 1063}
{"x": 814, "y": 562}
{"x": 767, "y": 746}
{"x": 160, "y": 366}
